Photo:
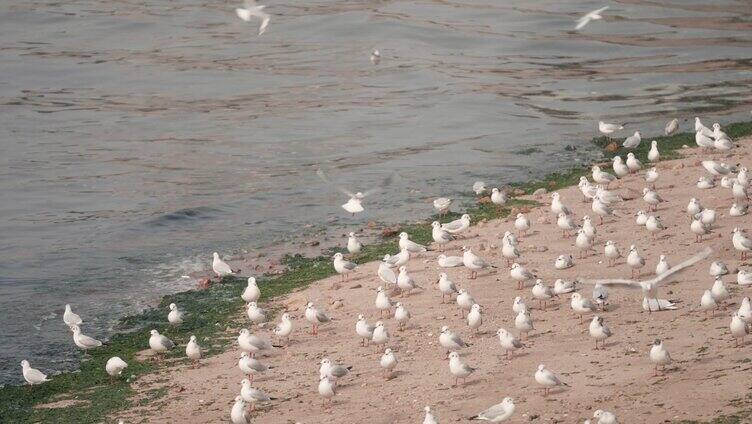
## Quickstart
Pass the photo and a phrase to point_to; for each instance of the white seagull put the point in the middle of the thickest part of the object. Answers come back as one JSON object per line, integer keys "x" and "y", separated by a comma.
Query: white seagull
{"x": 253, "y": 10}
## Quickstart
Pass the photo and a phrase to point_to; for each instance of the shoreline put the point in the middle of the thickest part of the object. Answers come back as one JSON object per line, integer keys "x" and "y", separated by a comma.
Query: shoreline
{"x": 214, "y": 310}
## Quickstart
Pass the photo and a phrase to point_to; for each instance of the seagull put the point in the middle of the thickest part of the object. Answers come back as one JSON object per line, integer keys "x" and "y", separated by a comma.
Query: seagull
{"x": 246, "y": 341}
{"x": 175, "y": 317}
{"x": 707, "y": 303}
{"x": 442, "y": 205}
{"x": 220, "y": 267}
{"x": 603, "y": 127}
{"x": 192, "y": 349}
{"x": 429, "y": 419}
{"x": 542, "y": 292}
{"x": 332, "y": 370}
{"x": 563, "y": 262}
{"x": 566, "y": 223}
{"x": 458, "y": 225}
{"x": 633, "y": 163}
{"x": 458, "y": 368}
{"x": 718, "y": 268}
{"x": 449, "y": 261}
{"x": 659, "y": 355}
{"x": 69, "y": 318}
{"x": 380, "y": 335}
{"x": 440, "y": 236}
{"x": 508, "y": 342}
{"x": 388, "y": 362}
{"x": 497, "y": 413}
{"x": 251, "y": 10}
{"x": 599, "y": 331}
{"x": 251, "y": 366}
{"x": 327, "y": 391}
{"x": 383, "y": 302}
{"x": 633, "y": 141}
{"x": 662, "y": 265}
{"x": 159, "y": 343}
{"x": 604, "y": 417}
{"x": 385, "y": 272}
{"x": 564, "y": 287}
{"x": 738, "y": 329}
{"x": 588, "y": 190}
{"x": 479, "y": 187}
{"x": 652, "y": 198}
{"x": 523, "y": 322}
{"x": 703, "y": 140}
{"x": 464, "y": 301}
{"x": 744, "y": 278}
{"x": 375, "y": 57}
{"x": 251, "y": 293}
{"x": 446, "y": 286}
{"x": 583, "y": 243}
{"x": 654, "y": 225}
{"x": 343, "y": 266}
{"x": 557, "y": 207}
{"x": 498, "y": 197}
{"x": 705, "y": 182}
{"x": 620, "y": 168}
{"x": 83, "y": 341}
{"x": 650, "y": 287}
{"x": 509, "y": 251}
{"x": 115, "y": 366}
{"x": 738, "y": 210}
{"x": 601, "y": 208}
{"x": 600, "y": 295}
{"x": 474, "y": 262}
{"x": 522, "y": 223}
{"x": 401, "y": 315}
{"x": 315, "y": 317}
{"x": 410, "y": 246}
{"x": 651, "y": 176}
{"x": 612, "y": 253}
{"x": 716, "y": 169}
{"x": 588, "y": 227}
{"x": 671, "y": 127}
{"x": 581, "y": 306}
{"x": 405, "y": 282}
{"x": 741, "y": 242}
{"x": 354, "y": 246}
{"x": 252, "y": 395}
{"x": 255, "y": 313}
{"x": 702, "y": 128}
{"x": 520, "y": 274}
{"x": 354, "y": 204}
{"x": 547, "y": 379}
{"x": 719, "y": 291}
{"x": 450, "y": 341}
{"x": 284, "y": 328}
{"x": 745, "y": 310}
{"x": 238, "y": 414}
{"x": 475, "y": 317}
{"x": 694, "y": 207}
{"x": 606, "y": 196}
{"x": 32, "y": 375}
{"x": 698, "y": 229}
{"x": 364, "y": 330}
{"x": 519, "y": 305}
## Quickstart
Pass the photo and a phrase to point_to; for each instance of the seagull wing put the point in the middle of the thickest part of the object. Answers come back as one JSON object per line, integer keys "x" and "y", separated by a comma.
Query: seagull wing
{"x": 89, "y": 341}
{"x": 324, "y": 178}
{"x": 387, "y": 182}
{"x": 35, "y": 375}
{"x": 658, "y": 279}
{"x": 582, "y": 21}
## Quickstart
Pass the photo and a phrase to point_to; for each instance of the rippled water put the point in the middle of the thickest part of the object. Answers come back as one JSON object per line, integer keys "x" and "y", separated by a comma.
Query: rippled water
{"x": 138, "y": 136}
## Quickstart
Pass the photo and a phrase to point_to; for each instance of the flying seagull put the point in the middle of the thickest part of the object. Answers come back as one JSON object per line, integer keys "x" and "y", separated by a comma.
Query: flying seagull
{"x": 591, "y": 16}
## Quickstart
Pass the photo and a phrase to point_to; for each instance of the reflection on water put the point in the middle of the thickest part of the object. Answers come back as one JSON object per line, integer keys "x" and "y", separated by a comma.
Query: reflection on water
{"x": 138, "y": 136}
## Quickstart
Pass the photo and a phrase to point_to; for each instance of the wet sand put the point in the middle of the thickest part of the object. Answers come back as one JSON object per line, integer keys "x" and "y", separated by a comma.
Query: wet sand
{"x": 707, "y": 378}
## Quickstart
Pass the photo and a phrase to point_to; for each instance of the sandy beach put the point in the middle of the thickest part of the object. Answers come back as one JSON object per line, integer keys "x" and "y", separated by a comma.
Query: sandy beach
{"x": 707, "y": 379}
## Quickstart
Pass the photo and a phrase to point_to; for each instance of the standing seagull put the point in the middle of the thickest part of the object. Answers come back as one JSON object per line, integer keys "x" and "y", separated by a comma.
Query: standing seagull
{"x": 83, "y": 341}
{"x": 32, "y": 375}
{"x": 474, "y": 262}
{"x": 659, "y": 355}
{"x": 547, "y": 379}
{"x": 591, "y": 16}
{"x": 220, "y": 267}
{"x": 671, "y": 127}
{"x": 343, "y": 266}
{"x": 251, "y": 10}
{"x": 315, "y": 317}
{"x": 603, "y": 127}
{"x": 71, "y": 318}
